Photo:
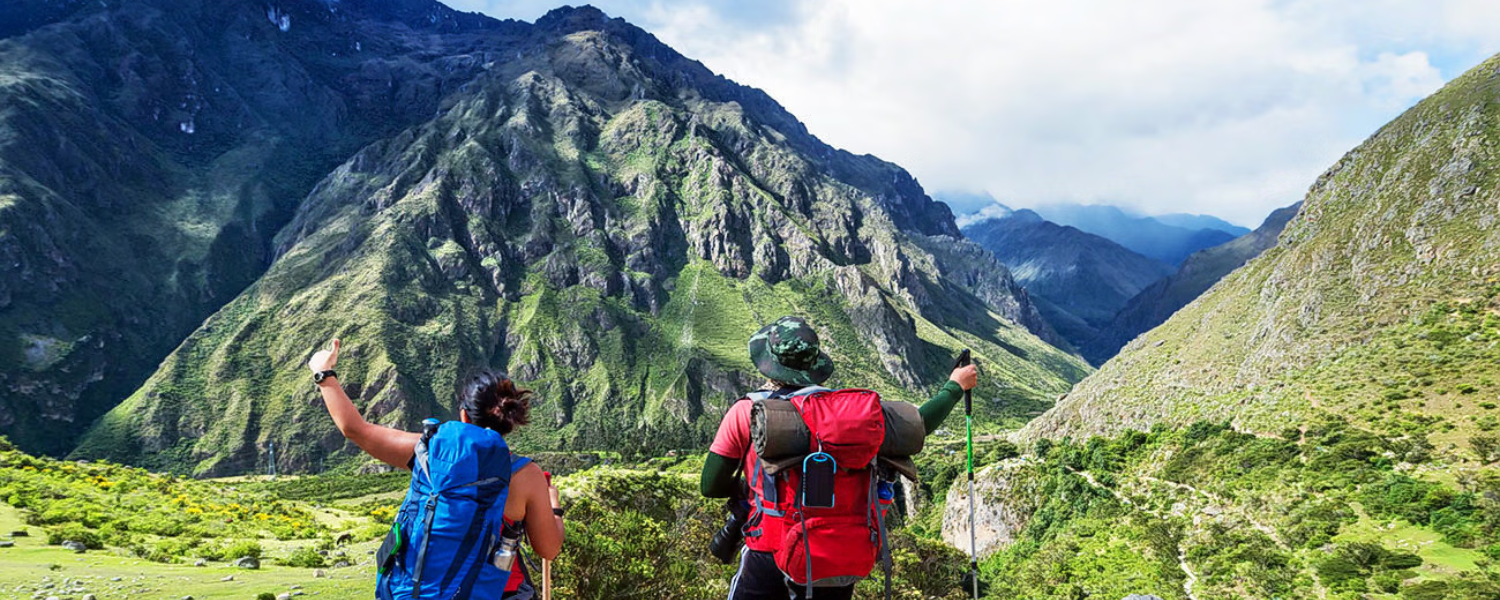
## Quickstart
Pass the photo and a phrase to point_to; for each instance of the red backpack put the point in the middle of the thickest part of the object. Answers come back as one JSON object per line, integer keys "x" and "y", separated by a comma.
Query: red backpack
{"x": 838, "y": 545}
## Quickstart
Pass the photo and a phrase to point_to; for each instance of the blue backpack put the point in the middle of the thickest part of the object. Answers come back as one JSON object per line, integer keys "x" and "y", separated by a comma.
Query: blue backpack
{"x": 445, "y": 536}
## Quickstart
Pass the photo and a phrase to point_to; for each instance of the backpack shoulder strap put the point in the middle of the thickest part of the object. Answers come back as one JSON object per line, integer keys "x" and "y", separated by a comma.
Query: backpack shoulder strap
{"x": 809, "y": 390}
{"x": 517, "y": 463}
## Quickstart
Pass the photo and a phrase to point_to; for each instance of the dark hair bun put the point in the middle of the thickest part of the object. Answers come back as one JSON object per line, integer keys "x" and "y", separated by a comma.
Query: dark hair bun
{"x": 493, "y": 401}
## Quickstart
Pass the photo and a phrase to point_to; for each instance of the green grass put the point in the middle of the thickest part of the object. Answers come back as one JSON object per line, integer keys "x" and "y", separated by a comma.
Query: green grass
{"x": 31, "y": 562}
{"x": 1439, "y": 557}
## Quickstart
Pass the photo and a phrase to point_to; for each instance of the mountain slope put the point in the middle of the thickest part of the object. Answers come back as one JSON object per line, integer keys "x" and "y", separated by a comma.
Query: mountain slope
{"x": 1153, "y": 305}
{"x": 1378, "y": 303}
{"x": 1146, "y": 235}
{"x": 608, "y": 221}
{"x": 148, "y": 153}
{"x": 1079, "y": 279}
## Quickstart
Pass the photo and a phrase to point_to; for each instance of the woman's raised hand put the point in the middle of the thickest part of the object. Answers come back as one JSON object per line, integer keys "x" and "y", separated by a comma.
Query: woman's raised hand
{"x": 323, "y": 360}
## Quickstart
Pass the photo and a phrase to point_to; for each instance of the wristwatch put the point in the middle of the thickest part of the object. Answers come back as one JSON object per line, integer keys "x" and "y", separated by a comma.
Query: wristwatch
{"x": 319, "y": 376}
{"x": 557, "y": 510}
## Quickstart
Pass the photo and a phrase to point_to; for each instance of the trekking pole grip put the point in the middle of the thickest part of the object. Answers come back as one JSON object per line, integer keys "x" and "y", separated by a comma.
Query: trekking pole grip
{"x": 965, "y": 358}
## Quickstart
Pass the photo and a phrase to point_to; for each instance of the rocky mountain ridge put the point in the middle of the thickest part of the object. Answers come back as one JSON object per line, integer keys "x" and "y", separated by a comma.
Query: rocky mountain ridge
{"x": 576, "y": 203}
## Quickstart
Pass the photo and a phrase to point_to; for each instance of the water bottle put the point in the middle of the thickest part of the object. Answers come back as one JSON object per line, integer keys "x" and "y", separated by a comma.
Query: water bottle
{"x": 504, "y": 557}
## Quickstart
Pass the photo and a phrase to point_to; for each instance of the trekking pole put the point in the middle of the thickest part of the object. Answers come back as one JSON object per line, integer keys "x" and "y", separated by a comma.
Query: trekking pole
{"x": 546, "y": 579}
{"x": 964, "y": 359}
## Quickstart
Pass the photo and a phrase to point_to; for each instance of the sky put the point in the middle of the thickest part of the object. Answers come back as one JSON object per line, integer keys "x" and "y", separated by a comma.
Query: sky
{"x": 1230, "y": 108}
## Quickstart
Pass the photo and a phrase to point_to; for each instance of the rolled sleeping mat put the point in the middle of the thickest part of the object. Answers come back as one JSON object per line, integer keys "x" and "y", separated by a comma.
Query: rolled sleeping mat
{"x": 904, "y": 431}
{"x": 777, "y": 430}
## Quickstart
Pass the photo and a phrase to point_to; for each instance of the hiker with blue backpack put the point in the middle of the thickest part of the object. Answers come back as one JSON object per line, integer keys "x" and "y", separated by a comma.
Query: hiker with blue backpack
{"x": 471, "y": 501}
{"x": 818, "y": 470}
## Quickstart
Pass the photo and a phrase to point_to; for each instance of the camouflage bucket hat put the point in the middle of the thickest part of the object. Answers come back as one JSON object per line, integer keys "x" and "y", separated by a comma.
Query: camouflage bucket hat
{"x": 787, "y": 351}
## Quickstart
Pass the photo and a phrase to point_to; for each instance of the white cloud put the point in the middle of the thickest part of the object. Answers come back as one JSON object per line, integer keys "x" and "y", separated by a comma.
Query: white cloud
{"x": 1230, "y": 107}
{"x": 993, "y": 211}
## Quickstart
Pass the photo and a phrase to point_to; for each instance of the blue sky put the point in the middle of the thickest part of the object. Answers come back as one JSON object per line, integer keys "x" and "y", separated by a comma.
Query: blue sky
{"x": 1230, "y": 107}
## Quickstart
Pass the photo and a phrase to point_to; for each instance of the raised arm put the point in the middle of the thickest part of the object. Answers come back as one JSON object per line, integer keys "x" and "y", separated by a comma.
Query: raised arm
{"x": 390, "y": 446}
{"x": 936, "y": 410}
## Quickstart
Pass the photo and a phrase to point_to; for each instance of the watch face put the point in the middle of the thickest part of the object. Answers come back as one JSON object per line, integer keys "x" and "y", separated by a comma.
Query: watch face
{"x": 320, "y": 376}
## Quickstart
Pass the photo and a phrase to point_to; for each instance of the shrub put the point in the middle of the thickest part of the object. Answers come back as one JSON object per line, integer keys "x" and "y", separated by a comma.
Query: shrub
{"x": 1426, "y": 590}
{"x": 73, "y": 532}
{"x": 242, "y": 549}
{"x": 305, "y": 557}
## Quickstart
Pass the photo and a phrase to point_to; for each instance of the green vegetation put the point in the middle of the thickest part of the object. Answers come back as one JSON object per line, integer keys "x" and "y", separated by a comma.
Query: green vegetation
{"x": 1330, "y": 511}
{"x": 628, "y": 530}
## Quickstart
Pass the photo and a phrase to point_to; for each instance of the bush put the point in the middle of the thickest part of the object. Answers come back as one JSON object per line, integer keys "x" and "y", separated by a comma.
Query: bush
{"x": 265, "y": 596}
{"x": 1427, "y": 590}
{"x": 241, "y": 550}
{"x": 167, "y": 550}
{"x": 210, "y": 551}
{"x": 305, "y": 557}
{"x": 75, "y": 533}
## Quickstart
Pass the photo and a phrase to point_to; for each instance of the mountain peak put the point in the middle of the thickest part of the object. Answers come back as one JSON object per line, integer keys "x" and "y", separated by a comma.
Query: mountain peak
{"x": 571, "y": 18}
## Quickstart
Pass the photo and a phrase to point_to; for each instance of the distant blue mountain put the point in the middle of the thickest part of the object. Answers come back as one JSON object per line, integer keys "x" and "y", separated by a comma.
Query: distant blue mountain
{"x": 1197, "y": 274}
{"x": 1149, "y": 236}
{"x": 1078, "y": 280}
{"x": 1187, "y": 221}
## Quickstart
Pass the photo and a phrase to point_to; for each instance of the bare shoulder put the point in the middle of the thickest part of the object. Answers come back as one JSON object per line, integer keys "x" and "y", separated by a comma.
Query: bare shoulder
{"x": 528, "y": 479}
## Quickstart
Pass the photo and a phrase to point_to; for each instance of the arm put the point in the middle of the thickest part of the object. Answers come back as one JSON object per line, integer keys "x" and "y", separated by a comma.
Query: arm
{"x": 936, "y": 410}
{"x": 728, "y": 450}
{"x": 718, "y": 480}
{"x": 543, "y": 528}
{"x": 390, "y": 446}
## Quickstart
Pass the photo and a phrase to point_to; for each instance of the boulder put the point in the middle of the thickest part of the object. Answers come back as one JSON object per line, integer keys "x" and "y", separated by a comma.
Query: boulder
{"x": 247, "y": 562}
{"x": 76, "y": 547}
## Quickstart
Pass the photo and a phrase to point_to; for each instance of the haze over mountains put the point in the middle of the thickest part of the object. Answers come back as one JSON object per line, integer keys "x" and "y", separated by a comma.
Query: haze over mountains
{"x": 1078, "y": 279}
{"x": 1089, "y": 286}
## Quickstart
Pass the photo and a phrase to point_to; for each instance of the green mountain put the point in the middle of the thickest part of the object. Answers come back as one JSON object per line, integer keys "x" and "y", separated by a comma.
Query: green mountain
{"x": 575, "y": 203}
{"x": 149, "y": 152}
{"x": 1155, "y": 304}
{"x": 1378, "y": 303}
{"x": 1078, "y": 280}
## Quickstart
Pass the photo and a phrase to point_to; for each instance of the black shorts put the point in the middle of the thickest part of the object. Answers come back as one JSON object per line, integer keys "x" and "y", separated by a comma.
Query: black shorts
{"x": 759, "y": 579}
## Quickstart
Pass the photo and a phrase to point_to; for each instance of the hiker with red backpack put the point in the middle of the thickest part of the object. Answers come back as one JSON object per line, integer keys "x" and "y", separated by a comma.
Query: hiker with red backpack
{"x": 818, "y": 464}
{"x": 471, "y": 500}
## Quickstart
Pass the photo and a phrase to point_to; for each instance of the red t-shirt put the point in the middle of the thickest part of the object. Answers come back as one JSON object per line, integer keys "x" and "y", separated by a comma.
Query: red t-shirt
{"x": 733, "y": 439}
